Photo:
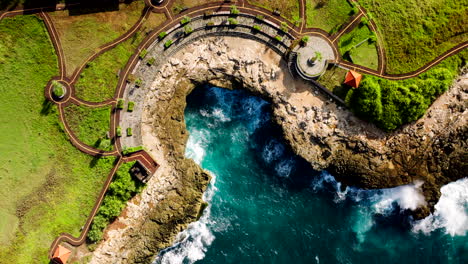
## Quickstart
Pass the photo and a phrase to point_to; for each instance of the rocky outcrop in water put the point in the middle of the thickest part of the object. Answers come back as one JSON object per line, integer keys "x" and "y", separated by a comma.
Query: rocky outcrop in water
{"x": 431, "y": 150}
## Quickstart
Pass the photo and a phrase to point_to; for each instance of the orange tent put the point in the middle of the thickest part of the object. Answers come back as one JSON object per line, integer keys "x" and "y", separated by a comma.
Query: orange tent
{"x": 61, "y": 255}
{"x": 353, "y": 79}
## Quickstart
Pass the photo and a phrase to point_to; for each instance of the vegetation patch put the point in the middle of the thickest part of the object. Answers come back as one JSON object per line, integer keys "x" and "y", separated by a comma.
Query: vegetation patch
{"x": 122, "y": 189}
{"x": 390, "y": 104}
{"x": 359, "y": 46}
{"x": 127, "y": 151}
{"x": 82, "y": 34}
{"x": 333, "y": 79}
{"x": 130, "y": 106}
{"x": 57, "y": 89}
{"x": 99, "y": 79}
{"x": 416, "y": 32}
{"x": 91, "y": 125}
{"x": 48, "y": 186}
{"x": 289, "y": 9}
{"x": 328, "y": 15}
{"x": 182, "y": 5}
{"x": 234, "y": 10}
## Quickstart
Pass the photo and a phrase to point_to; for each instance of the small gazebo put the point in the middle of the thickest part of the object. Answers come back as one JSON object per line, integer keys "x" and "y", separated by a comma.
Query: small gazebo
{"x": 353, "y": 79}
{"x": 61, "y": 255}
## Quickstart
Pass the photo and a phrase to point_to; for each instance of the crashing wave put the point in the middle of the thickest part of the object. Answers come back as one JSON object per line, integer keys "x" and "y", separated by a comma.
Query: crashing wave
{"x": 192, "y": 243}
{"x": 451, "y": 212}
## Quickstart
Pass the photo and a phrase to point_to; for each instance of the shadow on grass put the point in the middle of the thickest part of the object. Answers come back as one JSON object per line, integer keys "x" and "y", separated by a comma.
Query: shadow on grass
{"x": 47, "y": 107}
{"x": 94, "y": 161}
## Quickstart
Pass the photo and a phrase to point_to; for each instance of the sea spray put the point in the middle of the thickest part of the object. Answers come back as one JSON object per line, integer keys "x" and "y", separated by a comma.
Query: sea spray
{"x": 451, "y": 212}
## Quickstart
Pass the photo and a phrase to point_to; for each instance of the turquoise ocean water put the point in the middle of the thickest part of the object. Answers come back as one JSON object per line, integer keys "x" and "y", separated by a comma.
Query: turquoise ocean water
{"x": 267, "y": 205}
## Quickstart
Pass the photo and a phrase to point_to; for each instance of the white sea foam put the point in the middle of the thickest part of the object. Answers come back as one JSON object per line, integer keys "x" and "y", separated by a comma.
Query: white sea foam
{"x": 193, "y": 242}
{"x": 217, "y": 113}
{"x": 272, "y": 151}
{"x": 196, "y": 145}
{"x": 406, "y": 196}
{"x": 451, "y": 212}
{"x": 284, "y": 167}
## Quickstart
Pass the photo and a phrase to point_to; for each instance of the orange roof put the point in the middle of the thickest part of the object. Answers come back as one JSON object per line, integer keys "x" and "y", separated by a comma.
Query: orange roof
{"x": 61, "y": 255}
{"x": 353, "y": 79}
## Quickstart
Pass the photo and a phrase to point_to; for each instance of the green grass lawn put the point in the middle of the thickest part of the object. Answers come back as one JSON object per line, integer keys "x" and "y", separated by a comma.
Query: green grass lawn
{"x": 81, "y": 35}
{"x": 416, "y": 32}
{"x": 357, "y": 47}
{"x": 99, "y": 79}
{"x": 47, "y": 184}
{"x": 289, "y": 9}
{"x": 328, "y": 15}
{"x": 90, "y": 124}
{"x": 333, "y": 79}
{"x": 180, "y": 5}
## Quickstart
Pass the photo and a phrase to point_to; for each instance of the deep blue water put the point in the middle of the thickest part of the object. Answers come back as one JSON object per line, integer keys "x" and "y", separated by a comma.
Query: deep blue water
{"x": 267, "y": 205}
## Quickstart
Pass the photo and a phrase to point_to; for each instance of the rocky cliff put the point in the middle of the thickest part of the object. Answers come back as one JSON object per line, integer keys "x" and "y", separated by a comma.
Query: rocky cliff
{"x": 431, "y": 150}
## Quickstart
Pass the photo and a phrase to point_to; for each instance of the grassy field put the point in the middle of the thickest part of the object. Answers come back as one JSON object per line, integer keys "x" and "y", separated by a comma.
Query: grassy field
{"x": 358, "y": 46}
{"x": 48, "y": 186}
{"x": 416, "y": 32}
{"x": 289, "y": 9}
{"x": 390, "y": 104}
{"x": 99, "y": 79}
{"x": 81, "y": 35}
{"x": 333, "y": 80}
{"x": 90, "y": 124}
{"x": 180, "y": 5}
{"x": 327, "y": 15}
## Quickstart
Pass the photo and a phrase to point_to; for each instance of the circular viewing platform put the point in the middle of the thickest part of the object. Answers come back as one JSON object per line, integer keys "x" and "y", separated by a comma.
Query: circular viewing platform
{"x": 312, "y": 58}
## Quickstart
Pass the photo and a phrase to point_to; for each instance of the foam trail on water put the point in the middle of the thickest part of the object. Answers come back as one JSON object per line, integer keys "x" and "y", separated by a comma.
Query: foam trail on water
{"x": 451, "y": 212}
{"x": 196, "y": 145}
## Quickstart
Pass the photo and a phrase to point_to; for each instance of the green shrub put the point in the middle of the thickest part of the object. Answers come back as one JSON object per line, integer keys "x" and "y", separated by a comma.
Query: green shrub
{"x": 278, "y": 38}
{"x": 120, "y": 104}
{"x": 122, "y": 188}
{"x": 390, "y": 104}
{"x": 118, "y": 131}
{"x": 138, "y": 82}
{"x": 127, "y": 151}
{"x": 143, "y": 54}
{"x": 364, "y": 22}
{"x": 305, "y": 39}
{"x": 188, "y": 29}
{"x": 234, "y": 10}
{"x": 162, "y": 35}
{"x": 168, "y": 43}
{"x": 232, "y": 21}
{"x": 130, "y": 106}
{"x": 210, "y": 24}
{"x": 151, "y": 61}
{"x": 284, "y": 27}
{"x": 354, "y": 10}
{"x": 185, "y": 20}
{"x": 260, "y": 17}
{"x": 129, "y": 132}
{"x": 257, "y": 27}
{"x": 57, "y": 89}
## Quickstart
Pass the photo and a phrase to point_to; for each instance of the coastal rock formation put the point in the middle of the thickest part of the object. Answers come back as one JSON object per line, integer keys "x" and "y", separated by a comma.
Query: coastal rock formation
{"x": 431, "y": 150}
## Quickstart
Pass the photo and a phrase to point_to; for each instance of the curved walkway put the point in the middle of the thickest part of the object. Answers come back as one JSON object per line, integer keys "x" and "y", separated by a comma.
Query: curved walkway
{"x": 296, "y": 32}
